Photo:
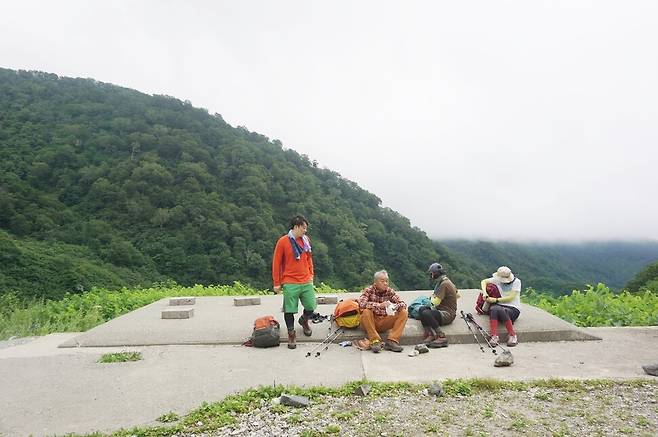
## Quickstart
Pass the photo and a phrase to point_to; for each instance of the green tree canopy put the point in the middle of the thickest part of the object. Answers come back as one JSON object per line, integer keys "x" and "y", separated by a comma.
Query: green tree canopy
{"x": 98, "y": 181}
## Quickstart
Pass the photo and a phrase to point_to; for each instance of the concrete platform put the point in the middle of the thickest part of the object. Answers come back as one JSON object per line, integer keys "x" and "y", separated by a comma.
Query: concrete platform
{"x": 217, "y": 321}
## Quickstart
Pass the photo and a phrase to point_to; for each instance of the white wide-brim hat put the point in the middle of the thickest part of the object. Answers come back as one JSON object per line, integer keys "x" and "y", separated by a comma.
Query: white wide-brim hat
{"x": 504, "y": 274}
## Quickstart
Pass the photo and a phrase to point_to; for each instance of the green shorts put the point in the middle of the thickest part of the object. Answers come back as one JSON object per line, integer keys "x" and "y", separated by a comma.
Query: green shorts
{"x": 293, "y": 293}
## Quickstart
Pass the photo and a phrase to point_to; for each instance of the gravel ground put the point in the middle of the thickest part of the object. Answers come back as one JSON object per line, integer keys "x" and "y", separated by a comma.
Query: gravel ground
{"x": 609, "y": 411}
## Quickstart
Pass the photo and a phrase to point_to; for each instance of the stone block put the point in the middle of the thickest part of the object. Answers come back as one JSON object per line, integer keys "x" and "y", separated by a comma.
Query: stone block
{"x": 244, "y": 301}
{"x": 295, "y": 401}
{"x": 175, "y": 301}
{"x": 503, "y": 360}
{"x": 435, "y": 390}
{"x": 651, "y": 369}
{"x": 362, "y": 390}
{"x": 324, "y": 300}
{"x": 182, "y": 313}
{"x": 421, "y": 348}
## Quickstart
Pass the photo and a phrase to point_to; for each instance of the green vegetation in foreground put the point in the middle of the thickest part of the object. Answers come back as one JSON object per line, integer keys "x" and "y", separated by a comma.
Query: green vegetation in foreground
{"x": 80, "y": 312}
{"x": 213, "y": 416}
{"x": 120, "y": 357}
{"x": 168, "y": 417}
{"x": 599, "y": 306}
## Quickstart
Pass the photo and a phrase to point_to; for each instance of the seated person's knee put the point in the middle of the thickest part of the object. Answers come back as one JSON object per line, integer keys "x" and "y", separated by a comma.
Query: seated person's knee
{"x": 367, "y": 312}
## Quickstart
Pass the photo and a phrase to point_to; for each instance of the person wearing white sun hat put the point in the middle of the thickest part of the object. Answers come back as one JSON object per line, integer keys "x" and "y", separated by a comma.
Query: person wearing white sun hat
{"x": 507, "y": 308}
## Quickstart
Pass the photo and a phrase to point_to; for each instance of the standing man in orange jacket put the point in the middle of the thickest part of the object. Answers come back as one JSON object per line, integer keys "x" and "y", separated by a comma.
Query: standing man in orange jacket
{"x": 292, "y": 274}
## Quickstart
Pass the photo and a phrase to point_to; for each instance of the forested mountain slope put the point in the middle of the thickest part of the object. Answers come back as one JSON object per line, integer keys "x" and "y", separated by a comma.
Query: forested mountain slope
{"x": 646, "y": 279}
{"x": 560, "y": 268}
{"x": 103, "y": 185}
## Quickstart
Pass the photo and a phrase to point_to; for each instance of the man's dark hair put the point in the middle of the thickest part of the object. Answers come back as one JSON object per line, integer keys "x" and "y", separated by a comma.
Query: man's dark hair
{"x": 298, "y": 220}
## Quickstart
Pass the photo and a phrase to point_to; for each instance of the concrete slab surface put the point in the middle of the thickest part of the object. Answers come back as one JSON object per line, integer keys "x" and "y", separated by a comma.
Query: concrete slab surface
{"x": 217, "y": 321}
{"x": 48, "y": 390}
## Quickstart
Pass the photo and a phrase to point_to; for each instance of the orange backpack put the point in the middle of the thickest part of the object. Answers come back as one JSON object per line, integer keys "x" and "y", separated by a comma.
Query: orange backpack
{"x": 347, "y": 313}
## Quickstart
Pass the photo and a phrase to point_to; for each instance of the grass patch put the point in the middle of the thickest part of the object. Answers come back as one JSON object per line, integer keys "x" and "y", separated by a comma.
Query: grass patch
{"x": 294, "y": 419}
{"x": 457, "y": 387}
{"x": 279, "y": 409}
{"x": 332, "y": 429}
{"x": 168, "y": 417}
{"x": 344, "y": 415}
{"x": 120, "y": 357}
{"x": 546, "y": 397}
{"x": 519, "y": 423}
{"x": 643, "y": 421}
{"x": 432, "y": 428}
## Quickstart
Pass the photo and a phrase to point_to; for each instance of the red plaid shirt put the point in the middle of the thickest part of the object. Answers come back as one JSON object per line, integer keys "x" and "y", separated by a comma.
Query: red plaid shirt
{"x": 371, "y": 298}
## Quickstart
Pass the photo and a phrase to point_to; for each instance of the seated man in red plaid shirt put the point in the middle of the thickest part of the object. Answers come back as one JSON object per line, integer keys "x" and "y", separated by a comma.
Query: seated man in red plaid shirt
{"x": 382, "y": 309}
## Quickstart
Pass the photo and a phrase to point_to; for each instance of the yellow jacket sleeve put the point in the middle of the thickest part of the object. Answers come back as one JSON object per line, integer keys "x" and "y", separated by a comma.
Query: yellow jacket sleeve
{"x": 483, "y": 286}
{"x": 510, "y": 297}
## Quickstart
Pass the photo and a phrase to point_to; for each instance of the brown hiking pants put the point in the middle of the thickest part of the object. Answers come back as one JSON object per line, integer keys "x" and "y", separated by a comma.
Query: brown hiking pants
{"x": 373, "y": 325}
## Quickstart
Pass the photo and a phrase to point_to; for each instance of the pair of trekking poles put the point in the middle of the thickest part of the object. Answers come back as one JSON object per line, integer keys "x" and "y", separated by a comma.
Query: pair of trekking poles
{"x": 324, "y": 345}
{"x": 471, "y": 323}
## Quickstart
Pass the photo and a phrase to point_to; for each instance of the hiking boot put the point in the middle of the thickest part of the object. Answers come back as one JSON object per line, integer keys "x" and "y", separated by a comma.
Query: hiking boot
{"x": 512, "y": 341}
{"x": 494, "y": 340}
{"x": 292, "y": 339}
{"x": 428, "y": 335}
{"x": 376, "y": 346}
{"x": 305, "y": 326}
{"x": 393, "y": 346}
{"x": 438, "y": 342}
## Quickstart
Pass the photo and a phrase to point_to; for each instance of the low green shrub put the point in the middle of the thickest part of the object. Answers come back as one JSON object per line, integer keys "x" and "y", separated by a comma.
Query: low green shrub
{"x": 80, "y": 312}
{"x": 599, "y": 306}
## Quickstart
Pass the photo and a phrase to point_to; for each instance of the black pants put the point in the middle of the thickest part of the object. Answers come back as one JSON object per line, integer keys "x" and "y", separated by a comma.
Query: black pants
{"x": 290, "y": 318}
{"x": 503, "y": 313}
{"x": 430, "y": 318}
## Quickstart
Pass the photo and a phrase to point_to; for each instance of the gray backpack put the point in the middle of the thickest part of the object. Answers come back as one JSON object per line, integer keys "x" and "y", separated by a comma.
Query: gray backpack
{"x": 266, "y": 332}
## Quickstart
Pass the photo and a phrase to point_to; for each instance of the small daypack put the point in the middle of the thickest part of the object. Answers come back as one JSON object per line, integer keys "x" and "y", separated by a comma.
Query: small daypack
{"x": 416, "y": 305}
{"x": 266, "y": 332}
{"x": 481, "y": 305}
{"x": 347, "y": 313}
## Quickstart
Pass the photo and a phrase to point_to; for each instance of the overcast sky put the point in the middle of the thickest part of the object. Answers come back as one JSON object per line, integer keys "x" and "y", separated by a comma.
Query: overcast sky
{"x": 499, "y": 120}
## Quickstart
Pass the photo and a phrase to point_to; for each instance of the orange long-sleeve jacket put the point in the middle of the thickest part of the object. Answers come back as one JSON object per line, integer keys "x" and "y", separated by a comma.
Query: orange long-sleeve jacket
{"x": 286, "y": 269}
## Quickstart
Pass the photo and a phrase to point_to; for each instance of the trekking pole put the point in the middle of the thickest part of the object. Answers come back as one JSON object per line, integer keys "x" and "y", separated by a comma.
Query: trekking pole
{"x": 470, "y": 329}
{"x": 331, "y": 336}
{"x": 325, "y": 343}
{"x": 485, "y": 334}
{"x": 319, "y": 345}
{"x": 337, "y": 334}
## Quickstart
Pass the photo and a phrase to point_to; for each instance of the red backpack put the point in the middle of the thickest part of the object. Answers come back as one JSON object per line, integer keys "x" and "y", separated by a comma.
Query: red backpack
{"x": 481, "y": 305}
